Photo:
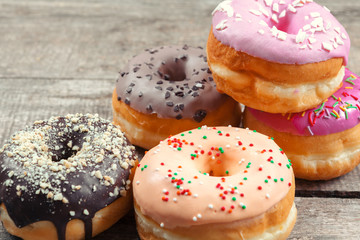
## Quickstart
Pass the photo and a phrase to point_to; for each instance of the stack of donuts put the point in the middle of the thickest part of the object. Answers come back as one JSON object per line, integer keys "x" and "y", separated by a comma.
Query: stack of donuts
{"x": 285, "y": 61}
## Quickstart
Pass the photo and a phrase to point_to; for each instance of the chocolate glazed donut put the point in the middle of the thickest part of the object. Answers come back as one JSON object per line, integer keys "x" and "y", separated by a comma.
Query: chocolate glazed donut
{"x": 174, "y": 78}
{"x": 167, "y": 90}
{"x": 63, "y": 169}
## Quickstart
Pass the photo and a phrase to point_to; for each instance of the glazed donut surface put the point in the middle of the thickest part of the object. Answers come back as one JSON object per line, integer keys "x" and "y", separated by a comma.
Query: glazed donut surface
{"x": 63, "y": 169}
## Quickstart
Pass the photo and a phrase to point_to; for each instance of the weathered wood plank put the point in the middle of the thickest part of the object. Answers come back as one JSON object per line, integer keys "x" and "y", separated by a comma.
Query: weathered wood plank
{"x": 95, "y": 39}
{"x": 318, "y": 219}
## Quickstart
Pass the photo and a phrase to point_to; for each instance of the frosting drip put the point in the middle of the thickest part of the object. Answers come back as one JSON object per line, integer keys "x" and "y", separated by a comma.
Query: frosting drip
{"x": 172, "y": 82}
{"x": 282, "y": 31}
{"x": 338, "y": 113}
{"x": 62, "y": 169}
{"x": 210, "y": 175}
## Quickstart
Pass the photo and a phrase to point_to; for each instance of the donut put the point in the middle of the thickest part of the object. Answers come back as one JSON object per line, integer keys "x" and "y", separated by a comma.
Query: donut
{"x": 167, "y": 90}
{"x": 65, "y": 178}
{"x": 322, "y": 142}
{"x": 215, "y": 183}
{"x": 277, "y": 56}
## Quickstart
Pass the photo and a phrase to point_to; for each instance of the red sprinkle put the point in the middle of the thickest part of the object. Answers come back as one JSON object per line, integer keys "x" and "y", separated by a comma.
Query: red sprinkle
{"x": 259, "y": 187}
{"x": 222, "y": 208}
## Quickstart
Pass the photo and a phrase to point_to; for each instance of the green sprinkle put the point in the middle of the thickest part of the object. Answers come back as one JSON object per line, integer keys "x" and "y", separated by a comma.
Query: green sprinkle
{"x": 179, "y": 148}
{"x": 235, "y": 187}
{"x": 205, "y": 173}
{"x": 189, "y": 181}
{"x": 320, "y": 108}
{"x": 248, "y": 166}
{"x": 289, "y": 160}
{"x": 272, "y": 161}
{"x": 243, "y": 206}
{"x": 275, "y": 180}
{"x": 336, "y": 103}
{"x": 219, "y": 131}
{"x": 349, "y": 80}
{"x": 288, "y": 166}
{"x": 145, "y": 166}
{"x": 175, "y": 173}
{"x": 199, "y": 128}
{"x": 190, "y": 132}
{"x": 178, "y": 186}
{"x": 142, "y": 169}
{"x": 266, "y": 181}
{"x": 204, "y": 137}
{"x": 182, "y": 134}
{"x": 245, "y": 178}
{"x": 333, "y": 114}
{"x": 280, "y": 150}
{"x": 227, "y": 172}
{"x": 281, "y": 179}
{"x": 254, "y": 131}
{"x": 272, "y": 138}
{"x": 346, "y": 115}
{"x": 182, "y": 178}
{"x": 334, "y": 97}
{"x": 173, "y": 178}
{"x": 221, "y": 149}
{"x": 233, "y": 198}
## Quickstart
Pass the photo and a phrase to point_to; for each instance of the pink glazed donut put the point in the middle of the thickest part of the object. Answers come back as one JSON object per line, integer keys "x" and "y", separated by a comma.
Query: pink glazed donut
{"x": 322, "y": 142}
{"x": 215, "y": 183}
{"x": 278, "y": 56}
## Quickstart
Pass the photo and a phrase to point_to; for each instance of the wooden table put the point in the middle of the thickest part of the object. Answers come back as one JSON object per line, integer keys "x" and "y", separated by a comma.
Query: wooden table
{"x": 63, "y": 57}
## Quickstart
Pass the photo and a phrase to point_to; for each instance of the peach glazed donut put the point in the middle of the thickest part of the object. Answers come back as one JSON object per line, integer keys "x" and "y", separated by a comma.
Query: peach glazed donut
{"x": 167, "y": 90}
{"x": 65, "y": 178}
{"x": 215, "y": 183}
{"x": 322, "y": 142}
{"x": 277, "y": 56}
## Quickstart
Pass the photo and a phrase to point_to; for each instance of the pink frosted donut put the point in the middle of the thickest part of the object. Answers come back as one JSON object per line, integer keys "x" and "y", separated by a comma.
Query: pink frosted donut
{"x": 278, "y": 51}
{"x": 323, "y": 141}
{"x": 215, "y": 183}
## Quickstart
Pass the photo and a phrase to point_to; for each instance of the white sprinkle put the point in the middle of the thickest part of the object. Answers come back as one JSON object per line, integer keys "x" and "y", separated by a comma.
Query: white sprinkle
{"x": 327, "y": 9}
{"x": 86, "y": 212}
{"x": 268, "y": 2}
{"x": 344, "y": 36}
{"x": 241, "y": 204}
{"x": 199, "y": 215}
{"x": 199, "y": 85}
{"x": 157, "y": 169}
{"x": 309, "y": 129}
{"x": 11, "y": 173}
{"x": 72, "y": 213}
{"x": 175, "y": 199}
{"x": 224, "y": 7}
{"x": 255, "y": 12}
{"x": 311, "y": 40}
{"x": 337, "y": 29}
{"x": 339, "y": 41}
{"x": 315, "y": 14}
{"x": 261, "y": 31}
{"x": 306, "y": 27}
{"x": 210, "y": 206}
{"x": 241, "y": 161}
{"x": 266, "y": 13}
{"x": 300, "y": 37}
{"x": 282, "y": 14}
{"x": 328, "y": 26}
{"x": 162, "y": 225}
{"x": 302, "y": 47}
{"x": 274, "y": 18}
{"x": 194, "y": 219}
{"x": 335, "y": 45}
{"x": 164, "y": 190}
{"x": 196, "y": 195}
{"x": 274, "y": 31}
{"x": 291, "y": 8}
{"x": 282, "y": 35}
{"x": 327, "y": 46}
{"x": 267, "y": 196}
{"x": 282, "y": 2}
{"x": 263, "y": 23}
{"x": 222, "y": 25}
{"x": 227, "y": 146}
{"x": 213, "y": 157}
{"x": 137, "y": 182}
{"x": 310, "y": 47}
{"x": 275, "y": 7}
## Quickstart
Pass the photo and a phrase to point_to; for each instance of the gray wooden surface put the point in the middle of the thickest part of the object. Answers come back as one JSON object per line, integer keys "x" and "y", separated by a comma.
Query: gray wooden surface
{"x": 63, "y": 57}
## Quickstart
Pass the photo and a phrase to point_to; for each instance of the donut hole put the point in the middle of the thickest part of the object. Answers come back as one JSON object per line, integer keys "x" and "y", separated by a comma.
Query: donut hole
{"x": 65, "y": 149}
{"x": 221, "y": 166}
{"x": 173, "y": 70}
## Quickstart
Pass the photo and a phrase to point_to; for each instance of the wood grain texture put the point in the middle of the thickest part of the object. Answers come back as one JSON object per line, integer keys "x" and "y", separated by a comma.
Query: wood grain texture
{"x": 63, "y": 57}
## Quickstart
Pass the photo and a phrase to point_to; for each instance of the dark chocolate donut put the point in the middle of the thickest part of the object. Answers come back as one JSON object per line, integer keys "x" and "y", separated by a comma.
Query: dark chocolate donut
{"x": 64, "y": 168}
{"x": 168, "y": 81}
